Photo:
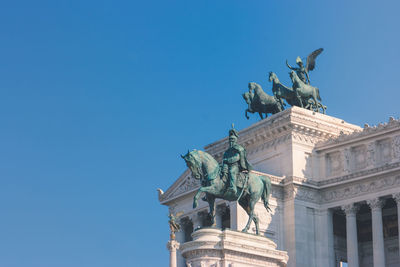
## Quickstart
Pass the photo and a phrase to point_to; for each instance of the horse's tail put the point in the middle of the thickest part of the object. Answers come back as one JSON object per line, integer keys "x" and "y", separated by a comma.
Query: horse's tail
{"x": 318, "y": 96}
{"x": 266, "y": 190}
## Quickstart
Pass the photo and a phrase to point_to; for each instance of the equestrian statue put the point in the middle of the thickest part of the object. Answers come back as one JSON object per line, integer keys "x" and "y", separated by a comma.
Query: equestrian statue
{"x": 233, "y": 180}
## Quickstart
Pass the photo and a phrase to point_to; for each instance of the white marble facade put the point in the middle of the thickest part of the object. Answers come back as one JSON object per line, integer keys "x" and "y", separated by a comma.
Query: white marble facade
{"x": 335, "y": 194}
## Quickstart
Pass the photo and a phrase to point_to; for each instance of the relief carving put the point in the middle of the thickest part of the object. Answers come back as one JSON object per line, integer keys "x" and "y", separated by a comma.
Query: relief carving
{"x": 334, "y": 163}
{"x": 360, "y": 189}
{"x": 359, "y": 158}
{"x": 396, "y": 147}
{"x": 371, "y": 154}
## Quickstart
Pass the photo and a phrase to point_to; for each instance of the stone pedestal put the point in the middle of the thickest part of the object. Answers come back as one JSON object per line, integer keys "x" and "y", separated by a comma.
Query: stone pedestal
{"x": 217, "y": 248}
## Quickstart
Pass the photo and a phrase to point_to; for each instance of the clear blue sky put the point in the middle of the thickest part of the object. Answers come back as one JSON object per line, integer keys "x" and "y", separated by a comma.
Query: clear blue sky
{"x": 99, "y": 98}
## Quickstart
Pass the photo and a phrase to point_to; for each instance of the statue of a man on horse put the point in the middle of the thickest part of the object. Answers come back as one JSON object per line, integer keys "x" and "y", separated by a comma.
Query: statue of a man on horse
{"x": 232, "y": 181}
{"x": 234, "y": 161}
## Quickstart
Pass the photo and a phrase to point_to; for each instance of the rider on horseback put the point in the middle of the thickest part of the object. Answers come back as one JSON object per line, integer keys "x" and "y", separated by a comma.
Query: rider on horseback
{"x": 234, "y": 160}
{"x": 301, "y": 71}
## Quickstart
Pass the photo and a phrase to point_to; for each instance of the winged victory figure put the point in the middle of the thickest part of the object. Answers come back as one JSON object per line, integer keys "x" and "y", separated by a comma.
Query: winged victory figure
{"x": 302, "y": 71}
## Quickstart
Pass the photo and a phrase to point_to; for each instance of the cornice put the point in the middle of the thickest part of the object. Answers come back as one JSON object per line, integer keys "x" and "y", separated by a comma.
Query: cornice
{"x": 367, "y": 132}
{"x": 303, "y": 125}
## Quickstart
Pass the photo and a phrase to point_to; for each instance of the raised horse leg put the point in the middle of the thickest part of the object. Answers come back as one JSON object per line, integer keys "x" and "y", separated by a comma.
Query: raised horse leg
{"x": 212, "y": 190}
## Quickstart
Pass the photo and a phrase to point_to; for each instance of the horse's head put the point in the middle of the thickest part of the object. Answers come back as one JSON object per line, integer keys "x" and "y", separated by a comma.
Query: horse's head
{"x": 254, "y": 86}
{"x": 251, "y": 86}
{"x": 272, "y": 76}
{"x": 293, "y": 76}
{"x": 247, "y": 98}
{"x": 201, "y": 164}
{"x": 193, "y": 163}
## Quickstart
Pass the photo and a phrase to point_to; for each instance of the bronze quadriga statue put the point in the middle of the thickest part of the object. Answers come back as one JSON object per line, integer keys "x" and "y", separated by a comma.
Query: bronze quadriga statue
{"x": 301, "y": 94}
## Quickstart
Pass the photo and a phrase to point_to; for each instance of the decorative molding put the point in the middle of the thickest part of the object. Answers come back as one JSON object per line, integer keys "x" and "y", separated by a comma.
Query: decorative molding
{"x": 375, "y": 203}
{"x": 396, "y": 147}
{"x": 367, "y": 131}
{"x": 188, "y": 184}
{"x": 350, "y": 209}
{"x": 303, "y": 125}
{"x": 292, "y": 191}
{"x": 173, "y": 245}
{"x": 396, "y": 197}
{"x": 354, "y": 175}
{"x": 361, "y": 188}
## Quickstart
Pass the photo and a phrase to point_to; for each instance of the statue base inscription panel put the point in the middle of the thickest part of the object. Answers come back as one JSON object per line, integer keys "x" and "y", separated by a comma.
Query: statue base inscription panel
{"x": 227, "y": 248}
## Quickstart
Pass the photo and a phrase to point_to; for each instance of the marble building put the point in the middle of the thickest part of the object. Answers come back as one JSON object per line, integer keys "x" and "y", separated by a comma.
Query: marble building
{"x": 335, "y": 190}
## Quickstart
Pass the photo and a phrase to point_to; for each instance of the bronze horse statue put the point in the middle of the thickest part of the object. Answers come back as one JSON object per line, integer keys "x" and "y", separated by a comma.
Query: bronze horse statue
{"x": 305, "y": 91}
{"x": 204, "y": 167}
{"x": 261, "y": 102}
{"x": 283, "y": 92}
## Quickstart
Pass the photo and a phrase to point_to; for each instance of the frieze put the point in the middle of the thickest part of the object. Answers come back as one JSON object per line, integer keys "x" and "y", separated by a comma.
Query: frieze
{"x": 303, "y": 193}
{"x": 396, "y": 147}
{"x": 361, "y": 188}
{"x": 359, "y": 174}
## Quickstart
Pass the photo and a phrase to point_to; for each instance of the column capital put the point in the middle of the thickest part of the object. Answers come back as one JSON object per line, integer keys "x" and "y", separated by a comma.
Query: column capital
{"x": 396, "y": 197}
{"x": 173, "y": 245}
{"x": 375, "y": 203}
{"x": 350, "y": 209}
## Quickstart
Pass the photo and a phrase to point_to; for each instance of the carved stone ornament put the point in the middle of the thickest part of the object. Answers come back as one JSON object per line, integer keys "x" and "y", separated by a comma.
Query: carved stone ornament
{"x": 350, "y": 209}
{"x": 375, "y": 203}
{"x": 173, "y": 245}
{"x": 396, "y": 197}
{"x": 361, "y": 188}
{"x": 396, "y": 147}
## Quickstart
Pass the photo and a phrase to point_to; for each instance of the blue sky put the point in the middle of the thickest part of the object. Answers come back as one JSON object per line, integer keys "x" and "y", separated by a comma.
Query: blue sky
{"x": 99, "y": 98}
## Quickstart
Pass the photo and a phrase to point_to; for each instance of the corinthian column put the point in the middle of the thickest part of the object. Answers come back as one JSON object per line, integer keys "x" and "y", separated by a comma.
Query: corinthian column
{"x": 172, "y": 246}
{"x": 377, "y": 231}
{"x": 351, "y": 235}
{"x": 396, "y": 197}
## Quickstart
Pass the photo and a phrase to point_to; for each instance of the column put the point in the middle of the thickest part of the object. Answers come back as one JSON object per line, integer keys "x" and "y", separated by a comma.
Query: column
{"x": 351, "y": 235}
{"x": 172, "y": 246}
{"x": 396, "y": 197}
{"x": 377, "y": 231}
{"x": 324, "y": 236}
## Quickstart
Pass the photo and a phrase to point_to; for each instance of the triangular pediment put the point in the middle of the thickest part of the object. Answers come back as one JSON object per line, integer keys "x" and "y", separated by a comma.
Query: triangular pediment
{"x": 183, "y": 185}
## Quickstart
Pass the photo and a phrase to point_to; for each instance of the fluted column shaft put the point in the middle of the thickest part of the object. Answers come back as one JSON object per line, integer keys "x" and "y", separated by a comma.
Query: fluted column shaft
{"x": 377, "y": 231}
{"x": 351, "y": 235}
{"x": 397, "y": 198}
